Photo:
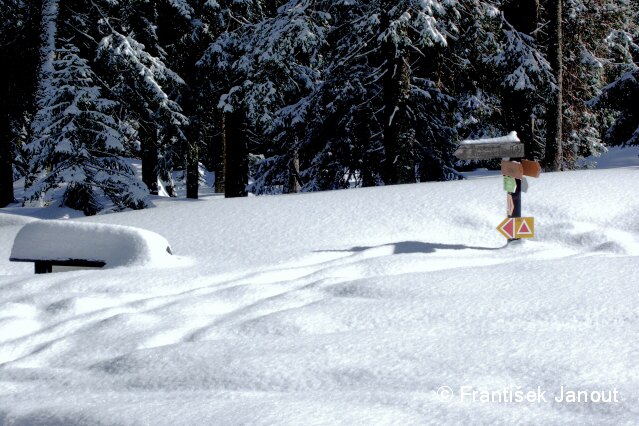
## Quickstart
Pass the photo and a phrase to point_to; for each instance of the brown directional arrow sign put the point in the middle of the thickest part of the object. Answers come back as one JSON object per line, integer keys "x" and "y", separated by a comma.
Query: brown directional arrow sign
{"x": 486, "y": 151}
{"x": 512, "y": 169}
{"x": 531, "y": 168}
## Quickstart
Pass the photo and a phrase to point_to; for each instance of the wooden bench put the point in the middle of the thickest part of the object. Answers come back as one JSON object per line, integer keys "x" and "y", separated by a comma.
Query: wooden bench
{"x": 63, "y": 245}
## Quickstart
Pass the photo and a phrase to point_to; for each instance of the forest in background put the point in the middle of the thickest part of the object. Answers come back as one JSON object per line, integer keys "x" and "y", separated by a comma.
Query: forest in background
{"x": 291, "y": 96}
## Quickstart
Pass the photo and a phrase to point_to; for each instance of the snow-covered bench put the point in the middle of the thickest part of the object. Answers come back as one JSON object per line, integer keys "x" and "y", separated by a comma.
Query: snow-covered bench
{"x": 70, "y": 244}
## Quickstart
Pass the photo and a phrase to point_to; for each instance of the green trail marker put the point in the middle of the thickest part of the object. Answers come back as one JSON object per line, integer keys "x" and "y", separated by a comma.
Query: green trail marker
{"x": 510, "y": 185}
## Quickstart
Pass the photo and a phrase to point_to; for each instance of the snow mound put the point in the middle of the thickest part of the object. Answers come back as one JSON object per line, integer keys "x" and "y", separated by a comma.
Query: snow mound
{"x": 115, "y": 245}
{"x": 510, "y": 138}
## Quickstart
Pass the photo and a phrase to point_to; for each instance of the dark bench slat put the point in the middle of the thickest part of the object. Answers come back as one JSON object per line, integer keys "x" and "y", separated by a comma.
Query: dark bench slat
{"x": 46, "y": 266}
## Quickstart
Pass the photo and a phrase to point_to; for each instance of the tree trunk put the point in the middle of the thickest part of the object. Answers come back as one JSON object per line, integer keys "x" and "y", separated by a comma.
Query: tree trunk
{"x": 362, "y": 135}
{"x": 218, "y": 154}
{"x": 149, "y": 158}
{"x": 192, "y": 169}
{"x": 399, "y": 163}
{"x": 236, "y": 156}
{"x": 6, "y": 164}
{"x": 20, "y": 59}
{"x": 554, "y": 154}
{"x": 293, "y": 185}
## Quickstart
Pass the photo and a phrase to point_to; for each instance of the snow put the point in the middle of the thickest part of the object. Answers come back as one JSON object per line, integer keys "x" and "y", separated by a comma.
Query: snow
{"x": 616, "y": 157}
{"x": 347, "y": 307}
{"x": 114, "y": 245}
{"x": 510, "y": 138}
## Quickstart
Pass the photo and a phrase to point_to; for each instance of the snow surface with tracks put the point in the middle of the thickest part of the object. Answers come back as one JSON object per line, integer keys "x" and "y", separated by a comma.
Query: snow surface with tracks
{"x": 348, "y": 307}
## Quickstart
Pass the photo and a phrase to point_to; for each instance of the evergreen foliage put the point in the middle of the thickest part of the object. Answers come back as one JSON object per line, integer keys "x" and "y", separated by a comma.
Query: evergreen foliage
{"x": 621, "y": 96}
{"x": 19, "y": 52}
{"x": 76, "y": 146}
{"x": 300, "y": 95}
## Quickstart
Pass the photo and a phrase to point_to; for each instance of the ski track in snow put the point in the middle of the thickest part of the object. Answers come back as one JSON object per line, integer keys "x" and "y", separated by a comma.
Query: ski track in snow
{"x": 354, "y": 314}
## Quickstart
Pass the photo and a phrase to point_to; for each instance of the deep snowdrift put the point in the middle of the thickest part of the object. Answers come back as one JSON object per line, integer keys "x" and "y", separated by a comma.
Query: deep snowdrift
{"x": 339, "y": 308}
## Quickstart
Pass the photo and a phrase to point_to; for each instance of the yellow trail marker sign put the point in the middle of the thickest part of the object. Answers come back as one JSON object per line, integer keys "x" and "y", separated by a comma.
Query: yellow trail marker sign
{"x": 517, "y": 227}
{"x": 524, "y": 227}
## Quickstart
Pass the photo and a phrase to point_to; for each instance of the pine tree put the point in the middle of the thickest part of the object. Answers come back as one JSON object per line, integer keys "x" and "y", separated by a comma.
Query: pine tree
{"x": 264, "y": 66}
{"x": 19, "y": 49}
{"x": 339, "y": 128}
{"x": 302, "y": 95}
{"x": 598, "y": 46}
{"x": 553, "y": 156}
{"x": 326, "y": 138}
{"x": 621, "y": 96}
{"x": 144, "y": 85}
{"x": 529, "y": 80}
{"x": 76, "y": 142}
{"x": 185, "y": 38}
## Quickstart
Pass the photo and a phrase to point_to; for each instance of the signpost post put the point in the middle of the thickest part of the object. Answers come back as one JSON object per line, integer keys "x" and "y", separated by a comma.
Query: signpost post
{"x": 517, "y": 199}
{"x": 509, "y": 149}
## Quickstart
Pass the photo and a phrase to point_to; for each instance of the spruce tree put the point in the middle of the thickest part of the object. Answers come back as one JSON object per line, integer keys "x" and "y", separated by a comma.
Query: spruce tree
{"x": 621, "y": 96}
{"x": 19, "y": 53}
{"x": 77, "y": 143}
{"x": 260, "y": 67}
{"x": 133, "y": 61}
{"x": 529, "y": 79}
{"x": 599, "y": 42}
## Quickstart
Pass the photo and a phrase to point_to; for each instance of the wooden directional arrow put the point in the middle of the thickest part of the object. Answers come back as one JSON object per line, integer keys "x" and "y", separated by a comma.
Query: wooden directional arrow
{"x": 531, "y": 168}
{"x": 512, "y": 169}
{"x": 486, "y": 151}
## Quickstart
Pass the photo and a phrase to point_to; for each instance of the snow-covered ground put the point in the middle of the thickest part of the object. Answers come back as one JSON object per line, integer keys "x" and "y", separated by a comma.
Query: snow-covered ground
{"x": 347, "y": 307}
{"x": 616, "y": 157}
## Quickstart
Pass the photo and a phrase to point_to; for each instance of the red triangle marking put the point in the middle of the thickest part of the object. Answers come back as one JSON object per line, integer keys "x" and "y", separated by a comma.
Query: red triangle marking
{"x": 509, "y": 228}
{"x": 524, "y": 229}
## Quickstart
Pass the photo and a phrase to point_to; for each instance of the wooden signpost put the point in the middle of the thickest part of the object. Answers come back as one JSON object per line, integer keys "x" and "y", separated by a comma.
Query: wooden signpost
{"x": 514, "y": 226}
{"x": 488, "y": 151}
